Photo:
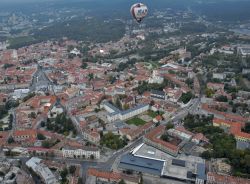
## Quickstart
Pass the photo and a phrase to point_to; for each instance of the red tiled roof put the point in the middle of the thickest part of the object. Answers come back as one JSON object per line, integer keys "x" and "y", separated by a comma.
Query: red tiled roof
{"x": 235, "y": 127}
{"x": 31, "y": 133}
{"x": 113, "y": 176}
{"x": 200, "y": 137}
{"x": 3, "y": 137}
{"x": 231, "y": 117}
{"x": 182, "y": 129}
{"x": 155, "y": 133}
{"x": 106, "y": 175}
{"x": 158, "y": 118}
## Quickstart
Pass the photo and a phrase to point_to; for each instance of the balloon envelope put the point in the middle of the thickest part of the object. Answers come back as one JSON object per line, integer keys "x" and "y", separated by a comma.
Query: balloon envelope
{"x": 139, "y": 11}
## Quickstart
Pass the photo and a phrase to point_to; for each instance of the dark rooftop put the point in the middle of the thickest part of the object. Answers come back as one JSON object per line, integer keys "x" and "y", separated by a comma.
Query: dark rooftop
{"x": 141, "y": 164}
{"x": 178, "y": 162}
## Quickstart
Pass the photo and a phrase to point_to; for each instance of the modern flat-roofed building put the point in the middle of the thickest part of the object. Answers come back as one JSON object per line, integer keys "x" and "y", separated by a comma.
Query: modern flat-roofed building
{"x": 182, "y": 167}
{"x": 143, "y": 165}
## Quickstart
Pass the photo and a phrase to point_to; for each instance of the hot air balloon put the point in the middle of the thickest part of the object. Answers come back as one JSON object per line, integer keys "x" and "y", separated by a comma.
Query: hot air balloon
{"x": 139, "y": 11}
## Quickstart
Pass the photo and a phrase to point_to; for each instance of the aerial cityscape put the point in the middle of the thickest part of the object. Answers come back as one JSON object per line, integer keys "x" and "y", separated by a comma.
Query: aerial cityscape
{"x": 124, "y": 92}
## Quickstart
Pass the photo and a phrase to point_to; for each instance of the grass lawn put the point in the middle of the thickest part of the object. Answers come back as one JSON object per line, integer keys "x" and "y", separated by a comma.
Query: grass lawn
{"x": 136, "y": 121}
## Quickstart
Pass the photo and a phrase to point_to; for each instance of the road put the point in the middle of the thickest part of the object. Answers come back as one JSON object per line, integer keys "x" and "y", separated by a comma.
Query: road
{"x": 39, "y": 81}
{"x": 192, "y": 108}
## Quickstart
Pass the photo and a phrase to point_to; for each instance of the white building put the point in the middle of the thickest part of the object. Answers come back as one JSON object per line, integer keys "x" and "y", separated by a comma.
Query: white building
{"x": 87, "y": 152}
{"x": 75, "y": 51}
{"x": 20, "y": 93}
{"x": 42, "y": 170}
{"x": 117, "y": 114}
{"x": 155, "y": 78}
{"x": 220, "y": 76}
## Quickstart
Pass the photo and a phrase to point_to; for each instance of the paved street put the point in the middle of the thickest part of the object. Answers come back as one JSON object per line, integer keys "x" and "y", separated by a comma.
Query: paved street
{"x": 40, "y": 80}
{"x": 179, "y": 115}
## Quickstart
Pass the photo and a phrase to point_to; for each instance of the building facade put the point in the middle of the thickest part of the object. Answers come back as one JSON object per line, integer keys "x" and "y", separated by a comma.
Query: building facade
{"x": 86, "y": 153}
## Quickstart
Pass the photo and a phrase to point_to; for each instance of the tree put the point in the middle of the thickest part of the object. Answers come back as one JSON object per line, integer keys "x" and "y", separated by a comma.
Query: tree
{"x": 7, "y": 65}
{"x": 42, "y": 124}
{"x": 40, "y": 136}
{"x": 30, "y": 95}
{"x": 84, "y": 65}
{"x": 122, "y": 182}
{"x": 209, "y": 92}
{"x": 64, "y": 174}
{"x": 247, "y": 128}
{"x": 186, "y": 97}
{"x": 152, "y": 103}
{"x": 165, "y": 137}
{"x": 97, "y": 110}
{"x": 34, "y": 153}
{"x": 92, "y": 157}
{"x": 169, "y": 126}
{"x": 118, "y": 103}
{"x": 206, "y": 155}
{"x": 234, "y": 109}
{"x": 189, "y": 82}
{"x": 91, "y": 76}
{"x": 113, "y": 141}
{"x": 126, "y": 107}
{"x": 46, "y": 144}
{"x": 32, "y": 115}
{"x": 80, "y": 181}
{"x": 72, "y": 169}
{"x": 10, "y": 140}
{"x": 222, "y": 98}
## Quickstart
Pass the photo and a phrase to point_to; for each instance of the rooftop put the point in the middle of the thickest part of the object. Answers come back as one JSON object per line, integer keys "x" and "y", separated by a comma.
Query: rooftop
{"x": 141, "y": 164}
{"x": 155, "y": 133}
{"x": 111, "y": 175}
